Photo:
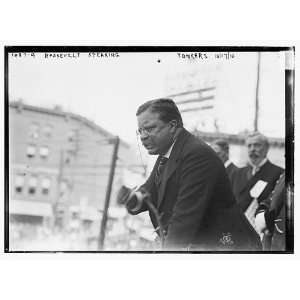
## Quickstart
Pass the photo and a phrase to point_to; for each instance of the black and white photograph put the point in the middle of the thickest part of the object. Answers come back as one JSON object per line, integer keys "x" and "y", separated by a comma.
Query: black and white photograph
{"x": 149, "y": 149}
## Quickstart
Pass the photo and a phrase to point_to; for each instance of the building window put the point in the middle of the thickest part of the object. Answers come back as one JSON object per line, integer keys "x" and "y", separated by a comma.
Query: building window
{"x": 70, "y": 154}
{"x": 34, "y": 130}
{"x": 31, "y": 150}
{"x": 32, "y": 183}
{"x": 48, "y": 130}
{"x": 44, "y": 152}
{"x": 46, "y": 182}
{"x": 19, "y": 183}
{"x": 72, "y": 135}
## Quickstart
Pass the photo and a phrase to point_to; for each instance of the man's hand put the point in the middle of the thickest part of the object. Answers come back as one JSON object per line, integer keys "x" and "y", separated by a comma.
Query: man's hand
{"x": 136, "y": 200}
{"x": 131, "y": 201}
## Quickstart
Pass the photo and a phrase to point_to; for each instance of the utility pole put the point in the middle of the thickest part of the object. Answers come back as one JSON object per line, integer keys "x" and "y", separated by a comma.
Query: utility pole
{"x": 115, "y": 142}
{"x": 257, "y": 94}
{"x": 59, "y": 180}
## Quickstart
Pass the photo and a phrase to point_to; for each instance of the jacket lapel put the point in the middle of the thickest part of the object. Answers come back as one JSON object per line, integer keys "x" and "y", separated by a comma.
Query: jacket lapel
{"x": 172, "y": 163}
{"x": 254, "y": 178}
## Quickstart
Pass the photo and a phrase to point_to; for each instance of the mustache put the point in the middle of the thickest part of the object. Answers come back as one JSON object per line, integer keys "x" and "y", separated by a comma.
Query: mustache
{"x": 253, "y": 154}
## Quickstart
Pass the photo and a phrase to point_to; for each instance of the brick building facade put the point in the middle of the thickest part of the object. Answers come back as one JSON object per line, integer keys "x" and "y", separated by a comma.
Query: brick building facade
{"x": 59, "y": 164}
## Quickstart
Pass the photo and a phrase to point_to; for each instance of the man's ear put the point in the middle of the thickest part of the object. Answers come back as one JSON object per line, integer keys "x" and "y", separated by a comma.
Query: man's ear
{"x": 174, "y": 125}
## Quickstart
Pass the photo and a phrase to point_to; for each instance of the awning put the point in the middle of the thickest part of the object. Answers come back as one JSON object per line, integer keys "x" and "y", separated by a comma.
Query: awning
{"x": 30, "y": 208}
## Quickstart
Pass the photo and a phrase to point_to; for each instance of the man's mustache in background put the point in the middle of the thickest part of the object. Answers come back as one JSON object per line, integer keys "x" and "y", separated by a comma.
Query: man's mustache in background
{"x": 254, "y": 154}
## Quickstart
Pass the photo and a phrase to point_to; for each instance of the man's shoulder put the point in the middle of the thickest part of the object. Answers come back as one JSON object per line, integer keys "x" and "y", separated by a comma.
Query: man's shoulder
{"x": 275, "y": 169}
{"x": 231, "y": 169}
{"x": 240, "y": 175}
{"x": 242, "y": 170}
{"x": 196, "y": 148}
{"x": 272, "y": 165}
{"x": 193, "y": 142}
{"x": 233, "y": 166}
{"x": 195, "y": 145}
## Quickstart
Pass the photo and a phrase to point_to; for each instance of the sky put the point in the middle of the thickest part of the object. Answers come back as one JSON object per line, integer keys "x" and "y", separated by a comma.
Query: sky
{"x": 108, "y": 89}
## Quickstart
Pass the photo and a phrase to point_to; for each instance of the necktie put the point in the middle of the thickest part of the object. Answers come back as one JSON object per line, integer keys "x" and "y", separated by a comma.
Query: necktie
{"x": 251, "y": 172}
{"x": 160, "y": 169}
{"x": 255, "y": 170}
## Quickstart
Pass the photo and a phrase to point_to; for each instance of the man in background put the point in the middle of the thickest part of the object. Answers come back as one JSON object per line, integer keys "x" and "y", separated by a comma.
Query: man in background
{"x": 221, "y": 147}
{"x": 256, "y": 181}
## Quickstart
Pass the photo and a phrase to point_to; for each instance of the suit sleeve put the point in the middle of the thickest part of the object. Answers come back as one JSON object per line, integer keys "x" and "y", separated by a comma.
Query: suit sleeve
{"x": 199, "y": 174}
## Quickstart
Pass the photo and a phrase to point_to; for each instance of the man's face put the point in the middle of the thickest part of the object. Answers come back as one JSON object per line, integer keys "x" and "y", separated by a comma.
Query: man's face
{"x": 156, "y": 135}
{"x": 257, "y": 149}
{"x": 220, "y": 152}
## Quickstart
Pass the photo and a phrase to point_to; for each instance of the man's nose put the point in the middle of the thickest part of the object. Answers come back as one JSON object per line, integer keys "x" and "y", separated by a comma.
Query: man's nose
{"x": 143, "y": 136}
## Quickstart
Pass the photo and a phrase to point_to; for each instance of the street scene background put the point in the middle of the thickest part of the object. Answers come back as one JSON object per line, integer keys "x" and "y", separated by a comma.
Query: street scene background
{"x": 72, "y": 141}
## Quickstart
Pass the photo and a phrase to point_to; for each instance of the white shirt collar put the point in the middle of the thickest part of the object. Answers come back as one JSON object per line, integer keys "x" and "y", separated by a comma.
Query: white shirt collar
{"x": 227, "y": 163}
{"x": 168, "y": 153}
{"x": 255, "y": 168}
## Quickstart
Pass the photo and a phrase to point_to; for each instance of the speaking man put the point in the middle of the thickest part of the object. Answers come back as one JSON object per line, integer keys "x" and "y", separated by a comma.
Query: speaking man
{"x": 190, "y": 193}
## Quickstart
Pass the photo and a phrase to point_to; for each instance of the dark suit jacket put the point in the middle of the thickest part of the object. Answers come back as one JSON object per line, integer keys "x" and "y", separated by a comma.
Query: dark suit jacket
{"x": 274, "y": 208}
{"x": 242, "y": 185}
{"x": 231, "y": 169}
{"x": 196, "y": 203}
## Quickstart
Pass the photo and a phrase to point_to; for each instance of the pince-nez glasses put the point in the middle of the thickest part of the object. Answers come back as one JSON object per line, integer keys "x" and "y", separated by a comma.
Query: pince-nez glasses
{"x": 146, "y": 131}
